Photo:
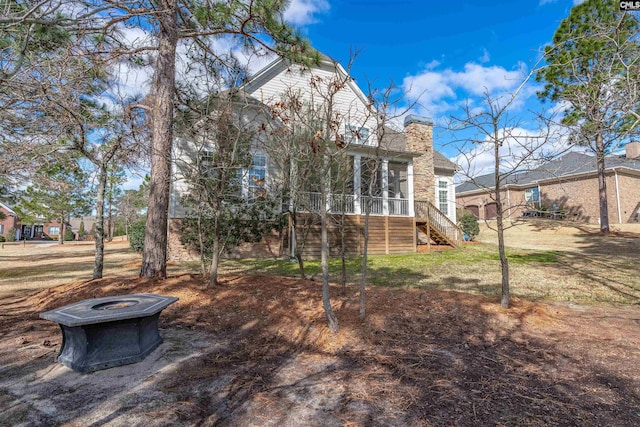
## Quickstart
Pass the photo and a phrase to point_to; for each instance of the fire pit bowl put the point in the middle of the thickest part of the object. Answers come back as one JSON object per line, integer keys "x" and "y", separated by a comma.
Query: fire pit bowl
{"x": 101, "y": 333}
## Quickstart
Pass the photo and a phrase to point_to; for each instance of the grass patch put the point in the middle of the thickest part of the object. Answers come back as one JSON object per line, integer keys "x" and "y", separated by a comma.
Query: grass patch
{"x": 534, "y": 274}
{"x": 521, "y": 257}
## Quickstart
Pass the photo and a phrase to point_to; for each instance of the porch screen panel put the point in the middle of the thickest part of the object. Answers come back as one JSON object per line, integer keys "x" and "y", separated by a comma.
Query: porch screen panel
{"x": 371, "y": 172}
{"x": 398, "y": 184}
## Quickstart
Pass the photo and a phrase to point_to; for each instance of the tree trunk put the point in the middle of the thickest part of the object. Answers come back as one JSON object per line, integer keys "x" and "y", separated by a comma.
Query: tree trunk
{"x": 365, "y": 250}
{"x": 154, "y": 255}
{"x": 201, "y": 244}
{"x": 61, "y": 235}
{"x": 504, "y": 262}
{"x": 343, "y": 250}
{"x": 297, "y": 252}
{"x": 602, "y": 185}
{"x": 332, "y": 321}
{"x": 215, "y": 261}
{"x": 99, "y": 225}
{"x": 110, "y": 216}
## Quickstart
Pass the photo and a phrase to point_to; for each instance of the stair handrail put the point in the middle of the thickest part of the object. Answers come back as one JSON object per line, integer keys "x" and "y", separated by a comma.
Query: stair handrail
{"x": 427, "y": 211}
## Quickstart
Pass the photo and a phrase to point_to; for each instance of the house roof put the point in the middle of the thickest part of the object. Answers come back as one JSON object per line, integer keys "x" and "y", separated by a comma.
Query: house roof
{"x": 572, "y": 163}
{"x": 394, "y": 140}
{"x": 8, "y": 209}
{"x": 280, "y": 64}
{"x": 88, "y": 222}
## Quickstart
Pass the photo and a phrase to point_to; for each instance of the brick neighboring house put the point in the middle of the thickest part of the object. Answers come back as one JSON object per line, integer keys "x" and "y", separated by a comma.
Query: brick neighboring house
{"x": 10, "y": 221}
{"x": 565, "y": 187}
{"x": 40, "y": 229}
{"x": 89, "y": 223}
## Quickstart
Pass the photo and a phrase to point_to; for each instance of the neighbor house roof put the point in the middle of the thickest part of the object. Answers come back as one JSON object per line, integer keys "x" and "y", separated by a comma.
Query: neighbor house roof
{"x": 88, "y": 222}
{"x": 572, "y": 163}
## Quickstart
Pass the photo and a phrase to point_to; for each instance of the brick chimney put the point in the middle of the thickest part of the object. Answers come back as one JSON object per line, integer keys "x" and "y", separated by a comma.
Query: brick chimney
{"x": 632, "y": 150}
{"x": 419, "y": 138}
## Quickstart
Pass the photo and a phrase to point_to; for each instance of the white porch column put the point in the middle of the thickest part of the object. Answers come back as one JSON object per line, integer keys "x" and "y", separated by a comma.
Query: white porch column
{"x": 410, "y": 188}
{"x": 385, "y": 187}
{"x": 357, "y": 180}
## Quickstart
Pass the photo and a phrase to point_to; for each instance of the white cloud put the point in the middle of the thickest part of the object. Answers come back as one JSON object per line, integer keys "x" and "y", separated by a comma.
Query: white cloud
{"x": 441, "y": 91}
{"x": 522, "y": 149}
{"x": 477, "y": 79}
{"x": 305, "y": 12}
{"x": 485, "y": 56}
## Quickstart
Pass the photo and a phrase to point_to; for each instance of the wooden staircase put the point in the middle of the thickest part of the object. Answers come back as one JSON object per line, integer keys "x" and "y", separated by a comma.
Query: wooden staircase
{"x": 436, "y": 225}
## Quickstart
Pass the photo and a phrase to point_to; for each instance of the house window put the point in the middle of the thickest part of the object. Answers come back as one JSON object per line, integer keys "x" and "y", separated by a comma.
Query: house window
{"x": 532, "y": 195}
{"x": 443, "y": 197}
{"x": 257, "y": 176}
{"x": 54, "y": 230}
{"x": 356, "y": 135}
{"x": 1, "y": 228}
{"x": 246, "y": 182}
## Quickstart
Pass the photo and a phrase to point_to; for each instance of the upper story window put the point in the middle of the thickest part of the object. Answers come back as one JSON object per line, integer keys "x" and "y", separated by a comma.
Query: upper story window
{"x": 443, "y": 197}
{"x": 356, "y": 135}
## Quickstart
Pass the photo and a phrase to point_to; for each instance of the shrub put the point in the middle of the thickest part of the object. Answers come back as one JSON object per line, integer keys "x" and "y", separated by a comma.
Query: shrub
{"x": 2, "y": 239}
{"x": 469, "y": 224}
{"x": 11, "y": 235}
{"x": 69, "y": 234}
{"x": 136, "y": 235}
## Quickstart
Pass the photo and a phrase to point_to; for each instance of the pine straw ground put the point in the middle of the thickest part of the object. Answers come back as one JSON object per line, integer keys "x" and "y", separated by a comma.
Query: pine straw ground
{"x": 255, "y": 351}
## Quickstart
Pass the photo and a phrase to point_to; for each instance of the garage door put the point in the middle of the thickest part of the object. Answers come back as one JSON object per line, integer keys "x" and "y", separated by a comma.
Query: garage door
{"x": 490, "y": 210}
{"x": 474, "y": 209}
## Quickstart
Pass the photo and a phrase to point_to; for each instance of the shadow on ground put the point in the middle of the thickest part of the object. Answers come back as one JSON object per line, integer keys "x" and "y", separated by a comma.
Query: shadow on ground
{"x": 255, "y": 351}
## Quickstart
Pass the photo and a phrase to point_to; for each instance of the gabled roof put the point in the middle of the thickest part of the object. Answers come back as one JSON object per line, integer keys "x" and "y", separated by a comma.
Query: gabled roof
{"x": 441, "y": 162}
{"x": 280, "y": 64}
{"x": 8, "y": 209}
{"x": 572, "y": 163}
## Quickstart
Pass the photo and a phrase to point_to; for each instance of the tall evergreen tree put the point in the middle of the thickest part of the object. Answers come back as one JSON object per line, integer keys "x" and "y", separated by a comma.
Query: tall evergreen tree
{"x": 593, "y": 68}
{"x": 254, "y": 24}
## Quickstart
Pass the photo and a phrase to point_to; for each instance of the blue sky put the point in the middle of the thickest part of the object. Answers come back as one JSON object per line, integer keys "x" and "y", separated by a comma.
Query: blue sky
{"x": 445, "y": 51}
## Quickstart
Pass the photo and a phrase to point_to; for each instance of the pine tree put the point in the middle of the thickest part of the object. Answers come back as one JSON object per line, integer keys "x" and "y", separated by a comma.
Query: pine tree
{"x": 593, "y": 68}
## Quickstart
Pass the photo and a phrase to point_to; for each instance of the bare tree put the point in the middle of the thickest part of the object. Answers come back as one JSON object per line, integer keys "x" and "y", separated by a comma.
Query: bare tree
{"x": 311, "y": 123}
{"x": 216, "y": 160}
{"x": 492, "y": 128}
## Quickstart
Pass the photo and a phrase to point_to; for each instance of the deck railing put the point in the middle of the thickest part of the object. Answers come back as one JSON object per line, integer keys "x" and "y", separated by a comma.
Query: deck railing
{"x": 338, "y": 203}
{"x": 427, "y": 212}
{"x": 346, "y": 203}
{"x": 399, "y": 207}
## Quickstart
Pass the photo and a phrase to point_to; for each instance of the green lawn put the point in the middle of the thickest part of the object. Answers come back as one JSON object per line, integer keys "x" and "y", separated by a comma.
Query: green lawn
{"x": 561, "y": 275}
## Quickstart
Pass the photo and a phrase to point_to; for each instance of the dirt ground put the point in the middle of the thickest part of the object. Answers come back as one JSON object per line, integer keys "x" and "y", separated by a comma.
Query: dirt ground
{"x": 255, "y": 352}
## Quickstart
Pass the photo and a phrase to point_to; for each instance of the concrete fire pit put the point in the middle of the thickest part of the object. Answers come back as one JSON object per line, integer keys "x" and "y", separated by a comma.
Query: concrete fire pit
{"x": 101, "y": 333}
